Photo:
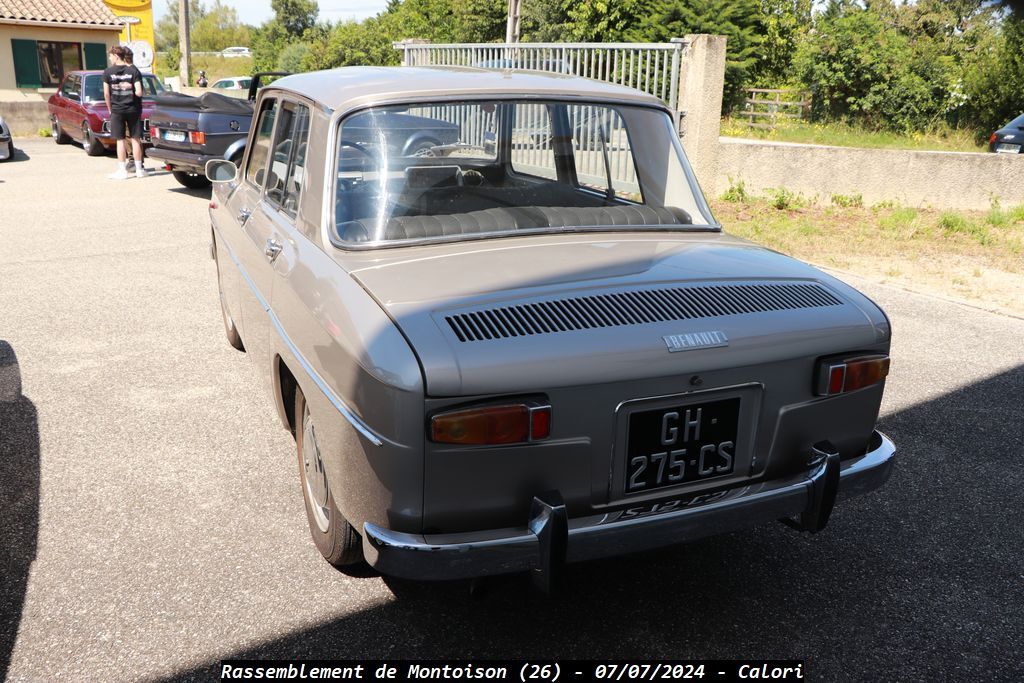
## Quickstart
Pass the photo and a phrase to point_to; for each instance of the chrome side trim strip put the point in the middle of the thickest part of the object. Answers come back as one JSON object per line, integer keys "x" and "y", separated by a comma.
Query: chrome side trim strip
{"x": 334, "y": 399}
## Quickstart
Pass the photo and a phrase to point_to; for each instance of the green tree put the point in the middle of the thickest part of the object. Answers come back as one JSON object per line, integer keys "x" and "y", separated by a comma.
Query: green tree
{"x": 352, "y": 43}
{"x": 862, "y": 68}
{"x": 545, "y": 22}
{"x": 295, "y": 16}
{"x": 218, "y": 28}
{"x": 605, "y": 21}
{"x": 737, "y": 20}
{"x": 166, "y": 30}
{"x": 479, "y": 21}
{"x": 784, "y": 23}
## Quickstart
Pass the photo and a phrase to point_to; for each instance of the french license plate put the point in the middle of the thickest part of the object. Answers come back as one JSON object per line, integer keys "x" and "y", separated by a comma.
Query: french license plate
{"x": 1008, "y": 149}
{"x": 680, "y": 444}
{"x": 174, "y": 135}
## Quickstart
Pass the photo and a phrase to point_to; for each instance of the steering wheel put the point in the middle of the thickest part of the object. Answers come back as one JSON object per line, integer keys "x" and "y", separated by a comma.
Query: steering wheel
{"x": 356, "y": 146}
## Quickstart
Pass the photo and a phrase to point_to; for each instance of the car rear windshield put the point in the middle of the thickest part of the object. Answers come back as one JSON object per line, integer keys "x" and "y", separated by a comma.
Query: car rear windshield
{"x": 462, "y": 170}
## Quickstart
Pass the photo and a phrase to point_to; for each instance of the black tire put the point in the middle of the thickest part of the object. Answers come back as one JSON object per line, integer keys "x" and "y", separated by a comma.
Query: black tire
{"x": 57, "y": 133}
{"x": 193, "y": 181}
{"x": 334, "y": 537}
{"x": 91, "y": 145}
{"x": 423, "y": 148}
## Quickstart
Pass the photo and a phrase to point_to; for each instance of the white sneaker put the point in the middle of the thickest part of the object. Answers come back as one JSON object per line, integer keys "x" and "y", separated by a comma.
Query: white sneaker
{"x": 119, "y": 174}
{"x": 141, "y": 172}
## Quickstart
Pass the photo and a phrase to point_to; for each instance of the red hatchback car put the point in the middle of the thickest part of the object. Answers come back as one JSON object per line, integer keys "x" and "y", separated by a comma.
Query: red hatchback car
{"x": 78, "y": 111}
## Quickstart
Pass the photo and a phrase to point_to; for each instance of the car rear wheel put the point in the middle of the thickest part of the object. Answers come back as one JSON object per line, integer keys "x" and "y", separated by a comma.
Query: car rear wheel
{"x": 334, "y": 537}
{"x": 57, "y": 133}
{"x": 91, "y": 145}
{"x": 193, "y": 181}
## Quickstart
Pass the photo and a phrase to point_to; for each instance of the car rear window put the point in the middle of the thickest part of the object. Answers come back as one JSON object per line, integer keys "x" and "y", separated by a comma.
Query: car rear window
{"x": 463, "y": 170}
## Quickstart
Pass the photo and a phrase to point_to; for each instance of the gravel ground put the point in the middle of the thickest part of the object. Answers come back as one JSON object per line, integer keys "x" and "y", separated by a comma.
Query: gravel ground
{"x": 151, "y": 521}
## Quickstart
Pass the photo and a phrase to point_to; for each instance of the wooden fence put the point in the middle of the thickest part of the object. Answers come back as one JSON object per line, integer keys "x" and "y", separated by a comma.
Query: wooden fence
{"x": 766, "y": 104}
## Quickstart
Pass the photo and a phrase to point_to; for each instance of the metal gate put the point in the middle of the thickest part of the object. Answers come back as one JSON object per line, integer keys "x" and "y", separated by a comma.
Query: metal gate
{"x": 649, "y": 67}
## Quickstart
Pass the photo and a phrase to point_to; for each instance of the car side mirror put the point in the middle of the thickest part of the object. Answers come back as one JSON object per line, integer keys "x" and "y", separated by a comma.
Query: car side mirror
{"x": 221, "y": 171}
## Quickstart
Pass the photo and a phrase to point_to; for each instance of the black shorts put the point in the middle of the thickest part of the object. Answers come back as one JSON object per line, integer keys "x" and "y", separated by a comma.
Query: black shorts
{"x": 120, "y": 120}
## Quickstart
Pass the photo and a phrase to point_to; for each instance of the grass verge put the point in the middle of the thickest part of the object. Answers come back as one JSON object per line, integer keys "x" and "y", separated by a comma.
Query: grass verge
{"x": 977, "y": 256}
{"x": 843, "y": 135}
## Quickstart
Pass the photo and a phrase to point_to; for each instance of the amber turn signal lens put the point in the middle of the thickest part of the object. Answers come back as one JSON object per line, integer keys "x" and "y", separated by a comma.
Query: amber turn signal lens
{"x": 492, "y": 425}
{"x": 197, "y": 137}
{"x": 863, "y": 372}
{"x": 842, "y": 375}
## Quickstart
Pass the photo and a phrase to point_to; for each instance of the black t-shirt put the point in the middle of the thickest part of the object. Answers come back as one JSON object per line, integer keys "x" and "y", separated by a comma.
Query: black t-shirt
{"x": 122, "y": 80}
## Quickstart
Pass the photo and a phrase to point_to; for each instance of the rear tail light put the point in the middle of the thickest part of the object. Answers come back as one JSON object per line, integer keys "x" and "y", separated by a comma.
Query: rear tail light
{"x": 197, "y": 137}
{"x": 992, "y": 139}
{"x": 492, "y": 425}
{"x": 154, "y": 132}
{"x": 843, "y": 375}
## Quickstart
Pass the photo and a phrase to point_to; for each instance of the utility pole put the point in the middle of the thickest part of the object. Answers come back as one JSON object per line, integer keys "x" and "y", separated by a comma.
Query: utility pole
{"x": 512, "y": 28}
{"x": 184, "y": 44}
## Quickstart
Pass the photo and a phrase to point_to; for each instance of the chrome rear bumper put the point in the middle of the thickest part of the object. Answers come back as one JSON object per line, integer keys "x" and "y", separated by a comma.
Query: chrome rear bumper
{"x": 545, "y": 541}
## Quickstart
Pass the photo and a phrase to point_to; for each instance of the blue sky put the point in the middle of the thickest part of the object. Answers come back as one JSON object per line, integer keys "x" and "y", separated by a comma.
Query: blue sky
{"x": 257, "y": 12}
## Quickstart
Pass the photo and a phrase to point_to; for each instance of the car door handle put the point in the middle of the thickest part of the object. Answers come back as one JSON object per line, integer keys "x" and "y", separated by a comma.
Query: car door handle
{"x": 243, "y": 215}
{"x": 272, "y": 250}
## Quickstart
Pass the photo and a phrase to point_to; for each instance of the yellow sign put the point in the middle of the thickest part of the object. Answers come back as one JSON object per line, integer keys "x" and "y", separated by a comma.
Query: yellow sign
{"x": 140, "y": 9}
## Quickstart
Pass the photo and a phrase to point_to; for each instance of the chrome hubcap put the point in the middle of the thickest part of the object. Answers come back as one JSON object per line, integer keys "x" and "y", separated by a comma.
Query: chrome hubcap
{"x": 313, "y": 473}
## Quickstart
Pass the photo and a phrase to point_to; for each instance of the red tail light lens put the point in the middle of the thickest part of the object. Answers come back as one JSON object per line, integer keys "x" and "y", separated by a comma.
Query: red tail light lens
{"x": 992, "y": 139}
{"x": 197, "y": 137}
{"x": 842, "y": 375}
{"x": 154, "y": 132}
{"x": 492, "y": 425}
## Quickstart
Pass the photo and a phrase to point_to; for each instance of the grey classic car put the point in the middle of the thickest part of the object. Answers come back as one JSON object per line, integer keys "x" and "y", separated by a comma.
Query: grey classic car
{"x": 519, "y": 351}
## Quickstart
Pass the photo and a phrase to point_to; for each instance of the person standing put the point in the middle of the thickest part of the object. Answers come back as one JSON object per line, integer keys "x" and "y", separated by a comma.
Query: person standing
{"x": 122, "y": 89}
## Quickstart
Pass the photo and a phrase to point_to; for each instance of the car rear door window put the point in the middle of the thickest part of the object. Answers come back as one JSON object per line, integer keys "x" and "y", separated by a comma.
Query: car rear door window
{"x": 289, "y": 160}
{"x": 256, "y": 169}
{"x": 601, "y": 152}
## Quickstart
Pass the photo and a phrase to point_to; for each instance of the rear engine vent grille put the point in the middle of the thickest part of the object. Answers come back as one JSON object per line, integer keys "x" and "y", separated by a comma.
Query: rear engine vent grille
{"x": 634, "y": 308}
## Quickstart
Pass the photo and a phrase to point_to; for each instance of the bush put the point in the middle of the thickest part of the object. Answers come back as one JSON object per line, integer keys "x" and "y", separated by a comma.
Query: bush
{"x": 293, "y": 57}
{"x": 848, "y": 201}
{"x": 737, "y": 192}
{"x": 783, "y": 199}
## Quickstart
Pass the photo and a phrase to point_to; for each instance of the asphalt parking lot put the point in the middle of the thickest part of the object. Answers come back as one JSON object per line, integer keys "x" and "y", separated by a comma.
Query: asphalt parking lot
{"x": 151, "y": 521}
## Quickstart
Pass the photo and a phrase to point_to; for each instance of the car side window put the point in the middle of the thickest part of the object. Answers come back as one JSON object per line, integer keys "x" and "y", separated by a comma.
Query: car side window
{"x": 71, "y": 89}
{"x": 256, "y": 169}
{"x": 532, "y": 151}
{"x": 288, "y": 163}
{"x": 603, "y": 155}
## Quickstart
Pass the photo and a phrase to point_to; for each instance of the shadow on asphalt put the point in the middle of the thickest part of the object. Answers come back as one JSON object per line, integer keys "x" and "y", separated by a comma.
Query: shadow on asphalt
{"x": 19, "y": 155}
{"x": 202, "y": 193}
{"x": 920, "y": 580}
{"x": 19, "y": 499}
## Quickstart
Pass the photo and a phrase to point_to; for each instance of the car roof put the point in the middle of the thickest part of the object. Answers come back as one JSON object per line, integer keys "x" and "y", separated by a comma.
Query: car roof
{"x": 358, "y": 85}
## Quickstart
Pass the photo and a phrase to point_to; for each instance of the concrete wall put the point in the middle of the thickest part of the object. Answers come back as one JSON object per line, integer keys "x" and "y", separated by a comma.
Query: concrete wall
{"x": 25, "y": 118}
{"x": 953, "y": 180}
{"x": 701, "y": 84}
{"x": 9, "y": 92}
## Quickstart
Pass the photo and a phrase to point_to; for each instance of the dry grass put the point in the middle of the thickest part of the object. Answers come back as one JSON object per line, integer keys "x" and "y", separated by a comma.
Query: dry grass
{"x": 977, "y": 256}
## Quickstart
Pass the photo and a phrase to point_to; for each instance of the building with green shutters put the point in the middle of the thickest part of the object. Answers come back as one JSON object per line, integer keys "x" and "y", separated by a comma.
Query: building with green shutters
{"x": 41, "y": 41}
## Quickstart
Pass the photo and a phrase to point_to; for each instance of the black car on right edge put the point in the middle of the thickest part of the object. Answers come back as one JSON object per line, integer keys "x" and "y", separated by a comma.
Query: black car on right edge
{"x": 1009, "y": 139}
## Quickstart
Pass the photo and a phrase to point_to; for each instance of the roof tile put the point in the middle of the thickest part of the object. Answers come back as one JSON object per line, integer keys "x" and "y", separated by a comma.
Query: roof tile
{"x": 58, "y": 11}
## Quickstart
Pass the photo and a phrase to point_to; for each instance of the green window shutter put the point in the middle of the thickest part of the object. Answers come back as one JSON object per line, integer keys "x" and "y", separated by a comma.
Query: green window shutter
{"x": 26, "y": 63}
{"x": 95, "y": 56}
